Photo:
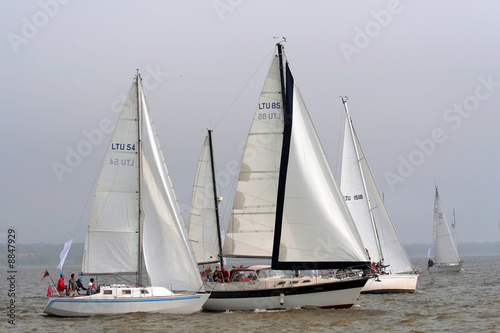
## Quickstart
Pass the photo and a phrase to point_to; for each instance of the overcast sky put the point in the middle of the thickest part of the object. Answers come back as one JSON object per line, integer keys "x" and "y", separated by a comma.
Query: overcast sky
{"x": 422, "y": 77}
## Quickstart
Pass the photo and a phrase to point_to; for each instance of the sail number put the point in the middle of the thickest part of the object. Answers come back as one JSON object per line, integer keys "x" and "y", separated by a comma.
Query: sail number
{"x": 356, "y": 197}
{"x": 122, "y": 161}
{"x": 123, "y": 146}
{"x": 269, "y": 115}
{"x": 268, "y": 106}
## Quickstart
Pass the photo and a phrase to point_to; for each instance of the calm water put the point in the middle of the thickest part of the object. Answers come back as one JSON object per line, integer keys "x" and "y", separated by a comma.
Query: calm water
{"x": 468, "y": 301}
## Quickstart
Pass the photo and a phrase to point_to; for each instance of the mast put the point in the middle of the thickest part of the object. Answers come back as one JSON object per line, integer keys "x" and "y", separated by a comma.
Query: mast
{"x": 377, "y": 239}
{"x": 453, "y": 228}
{"x": 139, "y": 151}
{"x": 216, "y": 201}
{"x": 282, "y": 74}
{"x": 436, "y": 208}
{"x": 287, "y": 98}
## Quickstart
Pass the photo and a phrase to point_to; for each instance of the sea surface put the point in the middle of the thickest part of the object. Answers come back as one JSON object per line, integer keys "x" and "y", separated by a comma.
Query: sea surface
{"x": 468, "y": 301}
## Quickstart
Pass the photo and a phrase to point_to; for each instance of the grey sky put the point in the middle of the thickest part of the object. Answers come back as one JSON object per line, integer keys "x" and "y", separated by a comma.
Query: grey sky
{"x": 422, "y": 77}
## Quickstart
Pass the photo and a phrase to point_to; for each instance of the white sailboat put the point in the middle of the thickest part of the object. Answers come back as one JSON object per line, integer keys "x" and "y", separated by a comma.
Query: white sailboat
{"x": 395, "y": 270}
{"x": 446, "y": 258}
{"x": 204, "y": 226}
{"x": 136, "y": 221}
{"x": 287, "y": 210}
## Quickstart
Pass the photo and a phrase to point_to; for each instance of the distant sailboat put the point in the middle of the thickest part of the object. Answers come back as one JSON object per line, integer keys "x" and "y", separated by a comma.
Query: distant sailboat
{"x": 446, "y": 258}
{"x": 287, "y": 209}
{"x": 395, "y": 270}
{"x": 136, "y": 220}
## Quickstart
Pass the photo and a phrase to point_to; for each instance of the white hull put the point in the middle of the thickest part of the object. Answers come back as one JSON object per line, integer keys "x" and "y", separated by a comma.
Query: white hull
{"x": 445, "y": 268}
{"x": 274, "y": 294}
{"x": 103, "y": 304}
{"x": 391, "y": 283}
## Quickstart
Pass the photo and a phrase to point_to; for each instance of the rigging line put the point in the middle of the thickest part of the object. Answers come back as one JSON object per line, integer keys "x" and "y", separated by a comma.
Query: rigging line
{"x": 243, "y": 89}
{"x": 86, "y": 206}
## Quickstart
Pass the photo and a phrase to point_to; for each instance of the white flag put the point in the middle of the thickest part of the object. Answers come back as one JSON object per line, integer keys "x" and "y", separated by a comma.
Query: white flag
{"x": 64, "y": 253}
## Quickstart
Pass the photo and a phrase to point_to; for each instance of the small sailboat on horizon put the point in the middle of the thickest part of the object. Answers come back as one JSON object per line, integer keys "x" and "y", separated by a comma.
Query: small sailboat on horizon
{"x": 446, "y": 258}
{"x": 135, "y": 223}
{"x": 287, "y": 211}
{"x": 392, "y": 264}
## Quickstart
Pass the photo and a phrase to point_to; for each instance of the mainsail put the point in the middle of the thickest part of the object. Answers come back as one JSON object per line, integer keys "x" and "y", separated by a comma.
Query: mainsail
{"x": 112, "y": 243}
{"x": 287, "y": 205}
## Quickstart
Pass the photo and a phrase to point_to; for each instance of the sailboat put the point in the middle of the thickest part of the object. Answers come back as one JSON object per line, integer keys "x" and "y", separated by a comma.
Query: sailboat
{"x": 136, "y": 223}
{"x": 204, "y": 224}
{"x": 446, "y": 258}
{"x": 287, "y": 211}
{"x": 392, "y": 264}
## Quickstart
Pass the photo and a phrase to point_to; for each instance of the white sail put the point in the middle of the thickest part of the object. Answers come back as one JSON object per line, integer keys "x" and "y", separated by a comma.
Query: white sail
{"x": 354, "y": 192}
{"x": 167, "y": 253}
{"x": 287, "y": 205}
{"x": 445, "y": 247}
{"x": 203, "y": 229}
{"x": 251, "y": 228}
{"x": 316, "y": 225}
{"x": 112, "y": 242}
{"x": 367, "y": 207}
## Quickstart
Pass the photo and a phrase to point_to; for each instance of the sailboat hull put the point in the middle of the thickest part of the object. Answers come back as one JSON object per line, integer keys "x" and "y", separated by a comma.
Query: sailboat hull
{"x": 104, "y": 304}
{"x": 283, "y": 294}
{"x": 445, "y": 268}
{"x": 391, "y": 283}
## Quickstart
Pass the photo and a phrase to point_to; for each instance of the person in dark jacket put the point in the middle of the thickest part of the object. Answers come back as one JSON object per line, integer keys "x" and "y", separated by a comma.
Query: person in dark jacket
{"x": 80, "y": 285}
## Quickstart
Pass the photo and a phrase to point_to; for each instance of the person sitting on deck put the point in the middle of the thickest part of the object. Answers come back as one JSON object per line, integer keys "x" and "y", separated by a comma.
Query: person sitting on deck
{"x": 218, "y": 275}
{"x": 91, "y": 290}
{"x": 225, "y": 274}
{"x": 250, "y": 277}
{"x": 232, "y": 273}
